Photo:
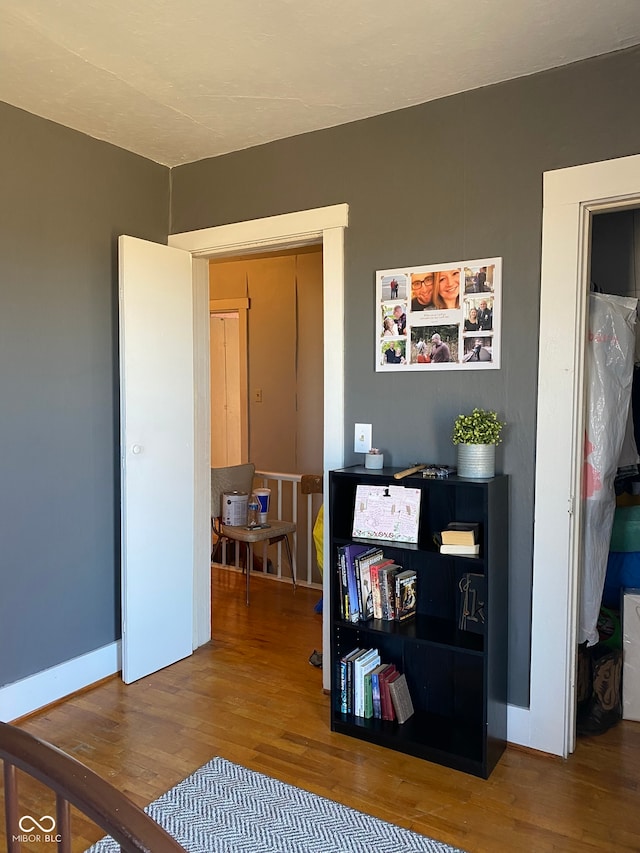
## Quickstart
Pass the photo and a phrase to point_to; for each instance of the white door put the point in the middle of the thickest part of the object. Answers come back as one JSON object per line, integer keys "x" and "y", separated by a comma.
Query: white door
{"x": 157, "y": 447}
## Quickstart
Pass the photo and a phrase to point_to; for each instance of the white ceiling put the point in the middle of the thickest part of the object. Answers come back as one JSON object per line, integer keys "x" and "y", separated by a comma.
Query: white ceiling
{"x": 180, "y": 81}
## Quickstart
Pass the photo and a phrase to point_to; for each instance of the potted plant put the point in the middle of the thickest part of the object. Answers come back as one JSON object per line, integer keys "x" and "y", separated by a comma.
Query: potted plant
{"x": 476, "y": 436}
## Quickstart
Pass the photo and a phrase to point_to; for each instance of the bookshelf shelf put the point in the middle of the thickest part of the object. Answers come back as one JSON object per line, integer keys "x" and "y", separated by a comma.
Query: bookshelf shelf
{"x": 456, "y": 678}
{"x": 431, "y": 630}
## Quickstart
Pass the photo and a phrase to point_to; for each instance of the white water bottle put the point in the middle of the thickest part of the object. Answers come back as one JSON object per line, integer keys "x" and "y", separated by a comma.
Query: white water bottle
{"x": 253, "y": 511}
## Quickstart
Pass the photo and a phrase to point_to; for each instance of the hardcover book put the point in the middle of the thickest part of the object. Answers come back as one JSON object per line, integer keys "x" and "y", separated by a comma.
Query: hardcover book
{"x": 361, "y": 666}
{"x": 461, "y": 550}
{"x": 401, "y": 698}
{"x": 388, "y": 712}
{"x": 460, "y": 533}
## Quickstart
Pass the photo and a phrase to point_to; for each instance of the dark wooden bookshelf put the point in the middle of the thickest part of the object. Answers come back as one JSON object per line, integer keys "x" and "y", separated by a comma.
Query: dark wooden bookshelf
{"x": 457, "y": 678}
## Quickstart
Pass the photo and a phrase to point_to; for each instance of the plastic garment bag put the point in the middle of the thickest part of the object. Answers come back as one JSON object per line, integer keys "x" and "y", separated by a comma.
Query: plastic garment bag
{"x": 609, "y": 375}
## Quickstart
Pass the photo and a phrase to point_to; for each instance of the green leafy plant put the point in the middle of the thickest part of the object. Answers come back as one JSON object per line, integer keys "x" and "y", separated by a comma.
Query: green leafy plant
{"x": 480, "y": 427}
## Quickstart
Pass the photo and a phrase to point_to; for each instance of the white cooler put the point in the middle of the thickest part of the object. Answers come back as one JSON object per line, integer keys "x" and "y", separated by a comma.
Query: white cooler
{"x": 631, "y": 653}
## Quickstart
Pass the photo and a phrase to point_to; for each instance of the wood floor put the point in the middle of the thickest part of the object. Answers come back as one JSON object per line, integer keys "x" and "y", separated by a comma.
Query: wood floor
{"x": 251, "y": 696}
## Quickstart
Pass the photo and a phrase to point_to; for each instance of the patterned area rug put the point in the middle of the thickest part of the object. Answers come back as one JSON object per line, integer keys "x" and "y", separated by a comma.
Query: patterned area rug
{"x": 225, "y": 808}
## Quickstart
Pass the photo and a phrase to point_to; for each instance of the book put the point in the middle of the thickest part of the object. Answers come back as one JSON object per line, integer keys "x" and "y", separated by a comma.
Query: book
{"x": 460, "y": 533}
{"x": 368, "y": 689}
{"x": 368, "y": 697}
{"x": 344, "y": 587}
{"x": 388, "y": 712}
{"x": 363, "y": 574}
{"x": 401, "y": 698}
{"x": 361, "y": 666}
{"x": 374, "y": 571}
{"x": 351, "y": 659}
{"x": 344, "y": 679}
{"x": 350, "y": 552}
{"x": 387, "y": 591}
{"x": 461, "y": 550}
{"x": 406, "y": 594}
{"x": 375, "y": 689}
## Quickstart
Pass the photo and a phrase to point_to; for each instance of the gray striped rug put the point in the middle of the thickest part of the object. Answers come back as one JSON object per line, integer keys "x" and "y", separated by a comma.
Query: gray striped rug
{"x": 225, "y": 808}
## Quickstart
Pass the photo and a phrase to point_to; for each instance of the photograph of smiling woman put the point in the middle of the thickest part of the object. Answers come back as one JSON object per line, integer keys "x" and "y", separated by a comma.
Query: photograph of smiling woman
{"x": 446, "y": 289}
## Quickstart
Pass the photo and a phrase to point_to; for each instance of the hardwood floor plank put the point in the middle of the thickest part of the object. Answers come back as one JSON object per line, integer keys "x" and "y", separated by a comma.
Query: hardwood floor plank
{"x": 251, "y": 696}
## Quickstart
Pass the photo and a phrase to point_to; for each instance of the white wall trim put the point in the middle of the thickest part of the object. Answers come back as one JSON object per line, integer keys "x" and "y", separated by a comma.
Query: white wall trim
{"x": 325, "y": 225}
{"x": 305, "y": 226}
{"x": 202, "y": 449}
{"x": 518, "y": 725}
{"x": 570, "y": 196}
{"x": 50, "y": 685}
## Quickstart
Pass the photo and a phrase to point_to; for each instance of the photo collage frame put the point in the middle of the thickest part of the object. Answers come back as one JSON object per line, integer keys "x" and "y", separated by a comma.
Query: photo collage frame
{"x": 439, "y": 316}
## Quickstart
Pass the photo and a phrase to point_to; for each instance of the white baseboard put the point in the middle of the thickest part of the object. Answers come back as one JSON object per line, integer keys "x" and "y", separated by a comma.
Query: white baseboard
{"x": 518, "y": 725}
{"x": 36, "y": 691}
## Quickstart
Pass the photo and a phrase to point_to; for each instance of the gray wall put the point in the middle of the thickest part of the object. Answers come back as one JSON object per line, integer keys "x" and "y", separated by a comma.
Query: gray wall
{"x": 65, "y": 199}
{"x": 458, "y": 178}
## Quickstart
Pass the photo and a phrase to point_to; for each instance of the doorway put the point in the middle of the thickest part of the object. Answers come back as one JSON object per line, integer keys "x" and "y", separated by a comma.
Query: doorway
{"x": 320, "y": 225}
{"x": 282, "y": 399}
{"x": 571, "y": 196}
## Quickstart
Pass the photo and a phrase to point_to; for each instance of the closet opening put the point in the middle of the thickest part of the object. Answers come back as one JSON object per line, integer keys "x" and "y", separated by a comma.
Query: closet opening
{"x": 609, "y": 603}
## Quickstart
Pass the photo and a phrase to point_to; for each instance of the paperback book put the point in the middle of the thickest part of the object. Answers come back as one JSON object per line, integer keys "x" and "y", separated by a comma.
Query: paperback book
{"x": 406, "y": 594}
{"x": 363, "y": 564}
{"x": 388, "y": 590}
{"x": 375, "y": 586}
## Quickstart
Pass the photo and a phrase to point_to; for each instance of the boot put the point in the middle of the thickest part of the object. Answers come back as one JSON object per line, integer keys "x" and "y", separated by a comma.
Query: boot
{"x": 604, "y": 708}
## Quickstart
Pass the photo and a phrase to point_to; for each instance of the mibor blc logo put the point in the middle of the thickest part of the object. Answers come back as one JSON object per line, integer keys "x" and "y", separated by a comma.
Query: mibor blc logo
{"x": 37, "y": 829}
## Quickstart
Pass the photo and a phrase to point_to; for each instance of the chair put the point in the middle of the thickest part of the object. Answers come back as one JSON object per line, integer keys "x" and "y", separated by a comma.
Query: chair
{"x": 240, "y": 478}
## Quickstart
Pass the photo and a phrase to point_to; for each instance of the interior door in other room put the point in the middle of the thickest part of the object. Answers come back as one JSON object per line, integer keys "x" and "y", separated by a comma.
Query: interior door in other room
{"x": 157, "y": 454}
{"x": 226, "y": 408}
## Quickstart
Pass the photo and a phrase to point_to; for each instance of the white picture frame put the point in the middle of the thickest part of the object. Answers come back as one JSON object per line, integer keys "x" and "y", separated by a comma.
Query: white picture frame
{"x": 443, "y": 316}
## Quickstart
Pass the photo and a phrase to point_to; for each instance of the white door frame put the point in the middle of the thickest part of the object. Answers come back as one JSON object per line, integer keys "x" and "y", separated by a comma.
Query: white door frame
{"x": 321, "y": 225}
{"x": 570, "y": 197}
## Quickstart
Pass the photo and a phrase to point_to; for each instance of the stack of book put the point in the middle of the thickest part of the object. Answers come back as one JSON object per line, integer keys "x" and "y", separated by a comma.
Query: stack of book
{"x": 356, "y": 599}
{"x": 461, "y": 539}
{"x": 373, "y": 587}
{"x": 372, "y": 689}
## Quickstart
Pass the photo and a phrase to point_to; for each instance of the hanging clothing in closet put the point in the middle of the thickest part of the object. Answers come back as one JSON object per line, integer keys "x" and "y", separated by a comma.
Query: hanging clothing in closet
{"x": 609, "y": 374}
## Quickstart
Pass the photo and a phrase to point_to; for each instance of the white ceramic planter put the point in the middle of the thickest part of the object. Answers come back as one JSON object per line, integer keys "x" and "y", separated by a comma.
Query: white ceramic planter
{"x": 476, "y": 460}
